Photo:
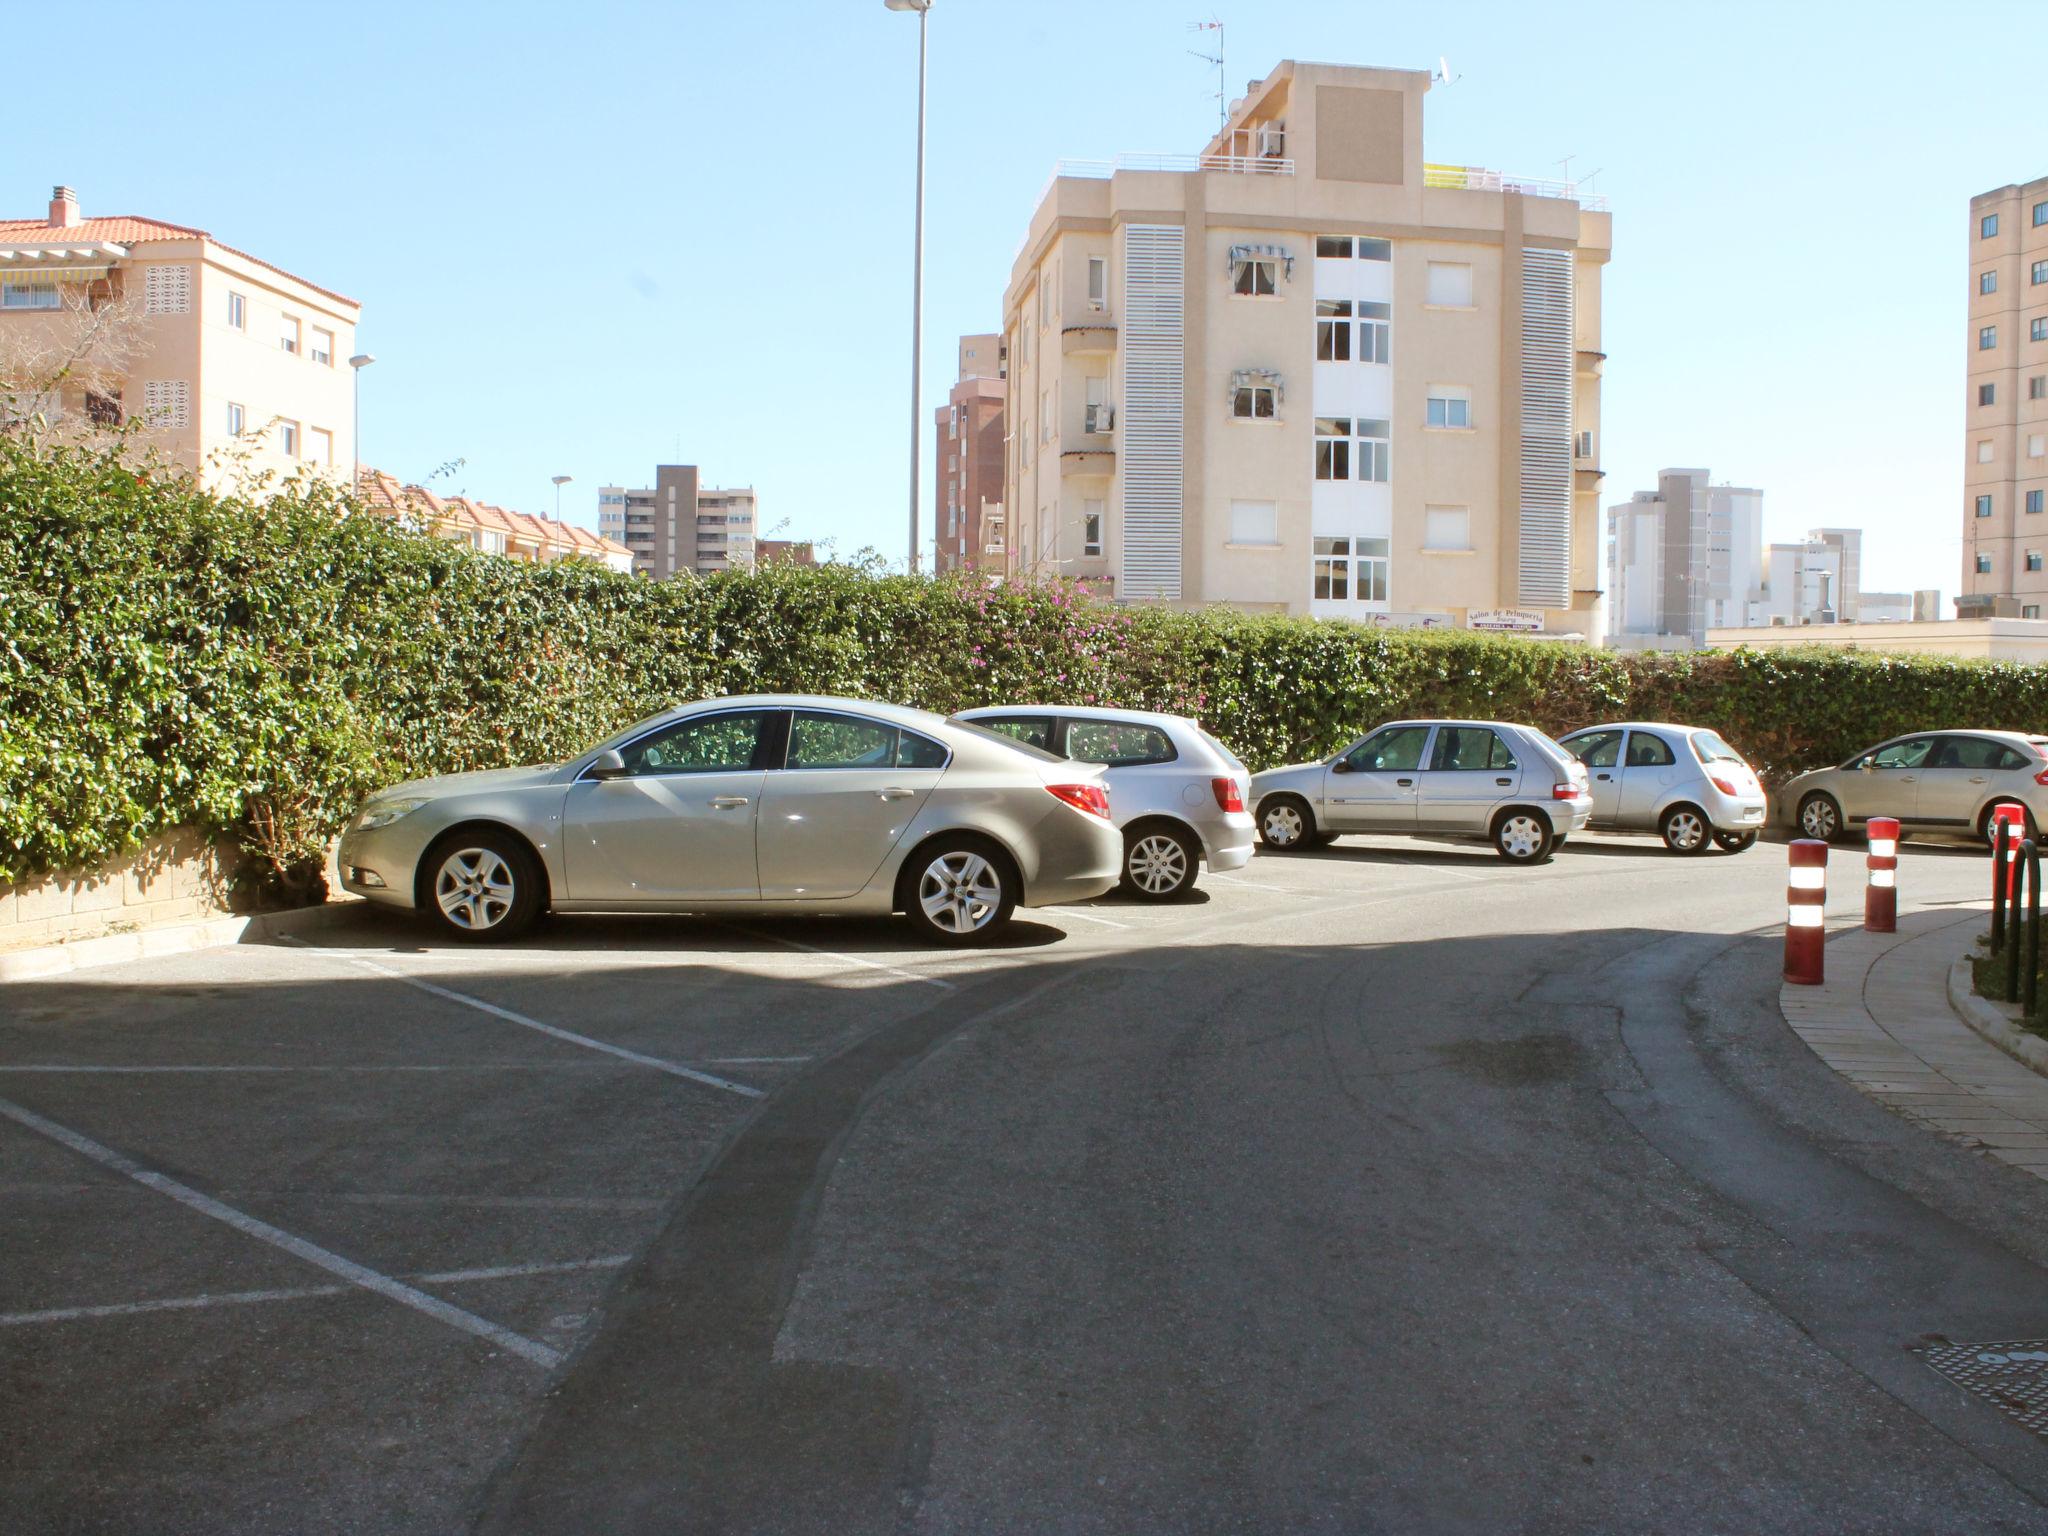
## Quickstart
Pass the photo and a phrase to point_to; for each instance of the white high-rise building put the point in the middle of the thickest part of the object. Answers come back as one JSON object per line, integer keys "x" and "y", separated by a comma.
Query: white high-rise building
{"x": 1682, "y": 559}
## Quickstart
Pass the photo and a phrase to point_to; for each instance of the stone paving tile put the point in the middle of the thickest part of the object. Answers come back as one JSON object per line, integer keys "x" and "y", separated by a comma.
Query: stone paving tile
{"x": 1883, "y": 1021}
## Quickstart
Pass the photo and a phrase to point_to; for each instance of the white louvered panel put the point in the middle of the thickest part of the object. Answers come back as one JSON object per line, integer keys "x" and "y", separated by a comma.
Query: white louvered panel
{"x": 1152, "y": 355}
{"x": 167, "y": 290}
{"x": 166, "y": 403}
{"x": 1543, "y": 569}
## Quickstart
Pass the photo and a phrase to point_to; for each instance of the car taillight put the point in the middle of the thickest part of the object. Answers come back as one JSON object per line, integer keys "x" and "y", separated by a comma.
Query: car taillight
{"x": 1091, "y": 798}
{"x": 1565, "y": 791}
{"x": 1228, "y": 796}
{"x": 2042, "y": 777}
{"x": 1726, "y": 786}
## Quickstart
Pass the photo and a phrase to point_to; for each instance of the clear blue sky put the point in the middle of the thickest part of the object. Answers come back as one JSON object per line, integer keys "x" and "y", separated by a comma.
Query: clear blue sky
{"x": 591, "y": 239}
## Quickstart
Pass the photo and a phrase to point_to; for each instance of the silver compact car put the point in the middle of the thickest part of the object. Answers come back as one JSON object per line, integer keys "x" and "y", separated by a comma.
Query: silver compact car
{"x": 1177, "y": 794}
{"x": 1940, "y": 782}
{"x": 1509, "y": 784}
{"x": 1682, "y": 782}
{"x": 776, "y": 803}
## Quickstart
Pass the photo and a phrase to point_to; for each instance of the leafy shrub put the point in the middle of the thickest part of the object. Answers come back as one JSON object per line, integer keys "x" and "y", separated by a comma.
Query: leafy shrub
{"x": 170, "y": 657}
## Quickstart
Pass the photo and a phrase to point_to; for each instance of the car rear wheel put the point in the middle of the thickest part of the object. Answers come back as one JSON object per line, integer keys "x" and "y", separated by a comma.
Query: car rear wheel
{"x": 961, "y": 893}
{"x": 1523, "y": 837}
{"x": 1820, "y": 817}
{"x": 483, "y": 887}
{"x": 1685, "y": 830}
{"x": 1735, "y": 842}
{"x": 1160, "y": 863}
{"x": 2026, "y": 820}
{"x": 1286, "y": 824}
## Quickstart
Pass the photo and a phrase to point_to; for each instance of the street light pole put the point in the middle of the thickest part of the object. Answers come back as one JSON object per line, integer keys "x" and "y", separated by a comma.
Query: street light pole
{"x": 560, "y": 481}
{"x": 923, "y": 9}
{"x": 356, "y": 366}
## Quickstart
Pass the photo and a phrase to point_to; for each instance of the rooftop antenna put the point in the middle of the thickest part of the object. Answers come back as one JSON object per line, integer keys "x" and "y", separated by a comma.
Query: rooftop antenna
{"x": 1216, "y": 58}
{"x": 1442, "y": 74}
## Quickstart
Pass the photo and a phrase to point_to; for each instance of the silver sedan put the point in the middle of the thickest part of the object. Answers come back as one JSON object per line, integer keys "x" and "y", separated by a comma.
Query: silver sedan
{"x": 776, "y": 803}
{"x": 1176, "y": 792}
{"x": 1682, "y": 782}
{"x": 1940, "y": 782}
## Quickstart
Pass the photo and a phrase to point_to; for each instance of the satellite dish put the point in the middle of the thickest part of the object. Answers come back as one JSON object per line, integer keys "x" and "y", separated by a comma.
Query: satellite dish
{"x": 1442, "y": 74}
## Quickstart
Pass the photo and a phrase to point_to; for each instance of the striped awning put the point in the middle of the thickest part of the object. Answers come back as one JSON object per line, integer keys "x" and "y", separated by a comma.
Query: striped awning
{"x": 11, "y": 272}
{"x": 1240, "y": 254}
{"x": 1245, "y": 378}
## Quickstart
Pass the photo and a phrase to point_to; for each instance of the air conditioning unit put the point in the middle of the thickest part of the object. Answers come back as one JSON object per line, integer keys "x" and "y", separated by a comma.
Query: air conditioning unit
{"x": 1098, "y": 418}
{"x": 1272, "y": 141}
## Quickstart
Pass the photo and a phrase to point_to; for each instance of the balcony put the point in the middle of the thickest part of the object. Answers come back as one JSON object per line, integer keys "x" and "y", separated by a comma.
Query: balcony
{"x": 1080, "y": 340}
{"x": 1591, "y": 364}
{"x": 1082, "y": 462}
{"x": 1235, "y": 165}
{"x": 1473, "y": 178}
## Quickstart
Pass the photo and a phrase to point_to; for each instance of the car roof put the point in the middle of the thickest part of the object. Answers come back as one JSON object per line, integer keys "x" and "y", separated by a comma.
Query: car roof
{"x": 1641, "y": 725}
{"x": 1083, "y": 712}
{"x": 2024, "y": 738}
{"x": 900, "y": 714}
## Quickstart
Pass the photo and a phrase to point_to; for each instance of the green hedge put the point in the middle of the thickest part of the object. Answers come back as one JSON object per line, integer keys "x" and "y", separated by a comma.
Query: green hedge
{"x": 172, "y": 657}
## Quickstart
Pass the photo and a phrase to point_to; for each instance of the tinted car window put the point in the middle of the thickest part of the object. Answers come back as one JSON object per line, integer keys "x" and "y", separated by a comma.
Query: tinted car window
{"x": 2012, "y": 757}
{"x": 1470, "y": 749}
{"x": 704, "y": 744}
{"x": 1396, "y": 749}
{"x": 1032, "y": 730}
{"x": 1647, "y": 751}
{"x": 1968, "y": 752}
{"x": 1229, "y": 756}
{"x": 839, "y": 741}
{"x": 1708, "y": 747}
{"x": 915, "y": 751}
{"x": 1902, "y": 754}
{"x": 1015, "y": 744}
{"x": 1596, "y": 749}
{"x": 1117, "y": 743}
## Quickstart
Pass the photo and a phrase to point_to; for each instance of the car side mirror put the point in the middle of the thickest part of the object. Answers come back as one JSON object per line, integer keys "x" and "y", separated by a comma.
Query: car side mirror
{"x": 1867, "y": 766}
{"x": 1342, "y": 765}
{"x": 606, "y": 765}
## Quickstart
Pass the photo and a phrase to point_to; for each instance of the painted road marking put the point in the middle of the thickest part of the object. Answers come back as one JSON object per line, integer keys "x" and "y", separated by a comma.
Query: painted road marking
{"x": 1086, "y": 917}
{"x": 674, "y": 1069}
{"x": 482, "y": 1066}
{"x": 312, "y": 1253}
{"x": 833, "y": 954}
{"x": 300, "y": 1293}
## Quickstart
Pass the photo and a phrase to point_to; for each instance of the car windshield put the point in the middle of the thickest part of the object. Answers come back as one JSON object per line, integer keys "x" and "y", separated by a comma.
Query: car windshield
{"x": 1710, "y": 748}
{"x": 1227, "y": 755}
{"x": 1038, "y": 754}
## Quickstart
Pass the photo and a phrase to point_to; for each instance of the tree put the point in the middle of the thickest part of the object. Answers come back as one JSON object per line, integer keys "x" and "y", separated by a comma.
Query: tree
{"x": 61, "y": 371}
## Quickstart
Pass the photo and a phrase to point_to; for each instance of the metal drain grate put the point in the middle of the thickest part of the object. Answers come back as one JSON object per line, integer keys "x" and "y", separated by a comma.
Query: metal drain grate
{"x": 2014, "y": 1375}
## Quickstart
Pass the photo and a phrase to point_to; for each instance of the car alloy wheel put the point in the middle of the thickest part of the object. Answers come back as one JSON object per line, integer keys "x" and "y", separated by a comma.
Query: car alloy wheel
{"x": 960, "y": 893}
{"x": 1284, "y": 825}
{"x": 1685, "y": 830}
{"x": 1819, "y": 817}
{"x": 1158, "y": 865}
{"x": 1735, "y": 842}
{"x": 475, "y": 889}
{"x": 1522, "y": 838}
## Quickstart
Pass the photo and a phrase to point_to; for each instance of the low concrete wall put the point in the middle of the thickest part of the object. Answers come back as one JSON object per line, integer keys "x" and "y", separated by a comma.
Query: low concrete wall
{"x": 178, "y": 877}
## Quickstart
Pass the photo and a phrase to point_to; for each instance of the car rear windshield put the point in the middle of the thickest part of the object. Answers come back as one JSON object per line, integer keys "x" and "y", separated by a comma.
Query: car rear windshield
{"x": 1710, "y": 748}
{"x": 1036, "y": 754}
{"x": 1224, "y": 752}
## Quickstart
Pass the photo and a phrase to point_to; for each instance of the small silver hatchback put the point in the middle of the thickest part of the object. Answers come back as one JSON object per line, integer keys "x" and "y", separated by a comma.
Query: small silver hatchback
{"x": 1175, "y": 792}
{"x": 1680, "y": 781}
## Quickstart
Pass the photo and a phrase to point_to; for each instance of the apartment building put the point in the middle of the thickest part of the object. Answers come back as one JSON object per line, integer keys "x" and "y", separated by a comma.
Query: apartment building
{"x": 1307, "y": 370}
{"x": 968, "y": 449}
{"x": 678, "y": 524}
{"x": 1683, "y": 558}
{"x": 493, "y": 530}
{"x": 218, "y": 353}
{"x": 2005, "y": 441}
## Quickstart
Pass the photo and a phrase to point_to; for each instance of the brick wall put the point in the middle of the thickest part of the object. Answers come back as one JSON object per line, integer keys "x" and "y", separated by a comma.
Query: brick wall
{"x": 176, "y": 878}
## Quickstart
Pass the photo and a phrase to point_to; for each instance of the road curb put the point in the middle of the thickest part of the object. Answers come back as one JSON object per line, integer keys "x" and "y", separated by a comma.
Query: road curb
{"x": 1983, "y": 1016}
{"x": 171, "y": 939}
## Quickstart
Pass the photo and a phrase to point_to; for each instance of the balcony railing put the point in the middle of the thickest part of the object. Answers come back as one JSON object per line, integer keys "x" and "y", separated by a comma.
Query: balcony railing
{"x": 1240, "y": 165}
{"x": 1473, "y": 178}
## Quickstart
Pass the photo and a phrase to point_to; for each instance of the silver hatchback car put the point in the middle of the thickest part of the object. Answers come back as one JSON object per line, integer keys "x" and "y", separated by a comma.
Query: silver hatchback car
{"x": 1940, "y": 782}
{"x": 1176, "y": 793}
{"x": 1509, "y": 784}
{"x": 773, "y": 803}
{"x": 1680, "y": 781}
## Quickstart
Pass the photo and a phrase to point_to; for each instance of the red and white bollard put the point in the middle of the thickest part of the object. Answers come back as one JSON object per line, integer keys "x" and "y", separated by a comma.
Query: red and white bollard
{"x": 2015, "y": 820}
{"x": 1881, "y": 895}
{"x": 1805, "y": 898}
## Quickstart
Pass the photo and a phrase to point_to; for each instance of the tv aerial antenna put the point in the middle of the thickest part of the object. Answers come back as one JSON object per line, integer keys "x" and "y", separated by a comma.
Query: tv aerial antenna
{"x": 1215, "y": 59}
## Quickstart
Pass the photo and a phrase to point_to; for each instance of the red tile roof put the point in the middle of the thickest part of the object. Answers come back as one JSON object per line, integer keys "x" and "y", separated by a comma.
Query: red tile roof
{"x": 384, "y": 493}
{"x": 127, "y": 229}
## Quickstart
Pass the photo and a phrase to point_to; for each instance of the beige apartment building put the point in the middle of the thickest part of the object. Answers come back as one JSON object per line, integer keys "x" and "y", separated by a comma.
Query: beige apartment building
{"x": 968, "y": 448}
{"x": 679, "y": 524}
{"x": 1309, "y": 371}
{"x": 2005, "y": 441}
{"x": 227, "y": 355}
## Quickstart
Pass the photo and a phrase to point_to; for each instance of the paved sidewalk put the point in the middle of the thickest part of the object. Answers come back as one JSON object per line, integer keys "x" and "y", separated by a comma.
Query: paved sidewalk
{"x": 1883, "y": 1021}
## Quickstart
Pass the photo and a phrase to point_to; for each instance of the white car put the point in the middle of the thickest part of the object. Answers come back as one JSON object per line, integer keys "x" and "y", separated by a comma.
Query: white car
{"x": 1176, "y": 793}
{"x": 1680, "y": 781}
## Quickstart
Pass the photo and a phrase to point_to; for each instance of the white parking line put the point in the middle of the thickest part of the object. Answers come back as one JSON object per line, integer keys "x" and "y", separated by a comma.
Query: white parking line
{"x": 1254, "y": 885}
{"x": 1086, "y": 917}
{"x": 674, "y": 1069}
{"x": 347, "y": 1269}
{"x": 833, "y": 954}
{"x": 475, "y": 1066}
{"x": 298, "y": 1293}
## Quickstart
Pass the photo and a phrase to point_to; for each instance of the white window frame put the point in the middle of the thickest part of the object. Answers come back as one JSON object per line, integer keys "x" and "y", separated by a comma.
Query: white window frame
{"x": 1456, "y": 408}
{"x": 1333, "y": 330}
{"x": 1091, "y": 527}
{"x": 323, "y": 355}
{"x": 238, "y": 418}
{"x": 1256, "y": 277}
{"x": 1345, "y": 560}
{"x": 30, "y": 296}
{"x": 288, "y": 439}
{"x": 1246, "y": 399}
{"x": 1255, "y": 524}
{"x": 238, "y": 310}
{"x": 1098, "y": 283}
{"x": 318, "y": 438}
{"x": 1987, "y": 282}
{"x": 291, "y": 334}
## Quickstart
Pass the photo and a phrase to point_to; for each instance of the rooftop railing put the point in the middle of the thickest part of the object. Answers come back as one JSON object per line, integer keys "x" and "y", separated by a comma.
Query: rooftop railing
{"x": 1241, "y": 165}
{"x": 1473, "y": 178}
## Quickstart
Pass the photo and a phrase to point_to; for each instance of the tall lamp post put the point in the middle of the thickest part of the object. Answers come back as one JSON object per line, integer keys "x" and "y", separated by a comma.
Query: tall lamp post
{"x": 923, "y": 9}
{"x": 356, "y": 366}
{"x": 560, "y": 481}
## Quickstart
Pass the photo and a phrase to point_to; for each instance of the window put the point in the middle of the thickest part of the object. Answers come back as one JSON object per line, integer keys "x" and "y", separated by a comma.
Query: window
{"x": 167, "y": 290}
{"x": 288, "y": 439}
{"x": 1596, "y": 749}
{"x": 1375, "y": 250}
{"x": 323, "y": 346}
{"x": 2030, "y": 610}
{"x": 1447, "y": 528}
{"x": 1333, "y": 448}
{"x": 237, "y": 418}
{"x": 1470, "y": 749}
{"x": 2037, "y": 446}
{"x": 2040, "y": 214}
{"x": 1449, "y": 407}
{"x": 166, "y": 403}
{"x": 1372, "y": 449}
{"x": 1984, "y": 451}
{"x": 238, "y": 312}
{"x": 1983, "y": 565}
{"x": 701, "y": 744}
{"x": 1901, "y": 754}
{"x": 1987, "y": 394}
{"x": 1255, "y": 278}
{"x": 839, "y": 741}
{"x": 1338, "y": 246}
{"x": 2040, "y": 272}
{"x": 2037, "y": 387}
{"x": 1255, "y": 522}
{"x": 1987, "y": 337}
{"x": 320, "y": 445}
{"x": 1396, "y": 749}
{"x": 1098, "y": 282}
{"x": 1987, "y": 226}
{"x": 1032, "y": 730}
{"x": 1372, "y": 332}
{"x": 1091, "y": 527}
{"x": 288, "y": 333}
{"x": 1647, "y": 751}
{"x": 29, "y": 296}
{"x": 1983, "y": 506}
{"x": 2037, "y": 328}
{"x": 2034, "y": 501}
{"x": 1333, "y": 330}
{"x": 1344, "y": 247}
{"x": 1254, "y": 402}
{"x": 1987, "y": 282}
{"x": 1351, "y": 570}
{"x": 1118, "y": 743}
{"x": 1450, "y": 285}
{"x": 2033, "y": 560}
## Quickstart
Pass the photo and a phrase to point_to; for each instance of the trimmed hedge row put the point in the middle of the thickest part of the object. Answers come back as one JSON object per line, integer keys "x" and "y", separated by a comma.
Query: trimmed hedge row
{"x": 175, "y": 657}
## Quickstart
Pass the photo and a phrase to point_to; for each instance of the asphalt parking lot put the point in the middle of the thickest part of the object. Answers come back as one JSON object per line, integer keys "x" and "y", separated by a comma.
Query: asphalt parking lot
{"x": 362, "y": 1232}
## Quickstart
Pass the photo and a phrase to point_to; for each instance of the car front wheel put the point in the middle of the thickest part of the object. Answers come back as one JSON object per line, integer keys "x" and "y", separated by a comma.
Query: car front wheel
{"x": 1286, "y": 824}
{"x": 1523, "y": 837}
{"x": 483, "y": 887}
{"x": 1160, "y": 863}
{"x": 960, "y": 893}
{"x": 1820, "y": 817}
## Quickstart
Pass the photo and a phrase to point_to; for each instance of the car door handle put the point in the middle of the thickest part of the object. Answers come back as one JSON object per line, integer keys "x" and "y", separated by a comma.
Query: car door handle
{"x": 1405, "y": 783}
{"x": 1977, "y": 778}
{"x": 1604, "y": 778}
{"x": 1503, "y": 781}
{"x": 894, "y": 792}
{"x": 1907, "y": 778}
{"x": 729, "y": 802}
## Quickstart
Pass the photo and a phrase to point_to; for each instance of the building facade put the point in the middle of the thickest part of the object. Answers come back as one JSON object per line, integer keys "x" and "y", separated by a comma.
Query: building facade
{"x": 1307, "y": 371}
{"x": 232, "y": 365}
{"x": 1683, "y": 558}
{"x": 493, "y": 530}
{"x": 969, "y": 461}
{"x": 679, "y": 525}
{"x": 2005, "y": 440}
